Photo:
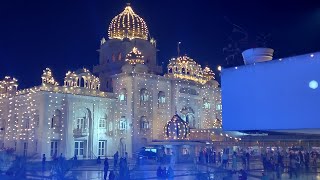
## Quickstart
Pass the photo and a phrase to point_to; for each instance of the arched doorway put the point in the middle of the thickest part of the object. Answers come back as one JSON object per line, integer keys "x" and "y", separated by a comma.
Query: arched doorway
{"x": 188, "y": 115}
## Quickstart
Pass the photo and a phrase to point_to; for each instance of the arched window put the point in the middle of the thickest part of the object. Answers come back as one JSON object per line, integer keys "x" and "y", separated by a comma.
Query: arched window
{"x": 110, "y": 126}
{"x": 144, "y": 123}
{"x": 188, "y": 115}
{"x": 206, "y": 103}
{"x": 123, "y": 123}
{"x": 183, "y": 70}
{"x": 123, "y": 96}
{"x": 218, "y": 107}
{"x": 56, "y": 119}
{"x": 170, "y": 70}
{"x": 161, "y": 98}
{"x": 26, "y": 121}
{"x": 103, "y": 121}
{"x": 144, "y": 95}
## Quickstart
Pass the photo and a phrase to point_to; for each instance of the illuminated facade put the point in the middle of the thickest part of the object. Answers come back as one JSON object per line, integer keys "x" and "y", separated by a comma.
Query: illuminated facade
{"x": 128, "y": 106}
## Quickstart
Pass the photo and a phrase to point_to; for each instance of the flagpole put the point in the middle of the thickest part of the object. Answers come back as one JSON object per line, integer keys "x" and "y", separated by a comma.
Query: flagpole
{"x": 178, "y": 48}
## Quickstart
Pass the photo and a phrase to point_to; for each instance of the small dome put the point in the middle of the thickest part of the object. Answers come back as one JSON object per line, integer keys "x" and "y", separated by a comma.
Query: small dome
{"x": 134, "y": 57}
{"x": 176, "y": 129}
{"x": 128, "y": 25}
{"x": 208, "y": 73}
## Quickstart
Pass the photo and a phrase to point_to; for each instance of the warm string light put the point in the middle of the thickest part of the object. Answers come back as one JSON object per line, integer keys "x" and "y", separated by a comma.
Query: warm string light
{"x": 184, "y": 67}
{"x": 128, "y": 25}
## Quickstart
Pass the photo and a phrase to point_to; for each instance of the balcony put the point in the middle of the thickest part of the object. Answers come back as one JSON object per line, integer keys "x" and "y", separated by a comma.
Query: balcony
{"x": 80, "y": 133}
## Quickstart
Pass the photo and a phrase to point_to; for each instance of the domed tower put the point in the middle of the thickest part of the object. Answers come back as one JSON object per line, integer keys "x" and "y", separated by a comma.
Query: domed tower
{"x": 126, "y": 31}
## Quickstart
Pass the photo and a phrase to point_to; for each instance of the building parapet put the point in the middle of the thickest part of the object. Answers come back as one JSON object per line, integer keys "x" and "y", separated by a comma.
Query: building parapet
{"x": 61, "y": 89}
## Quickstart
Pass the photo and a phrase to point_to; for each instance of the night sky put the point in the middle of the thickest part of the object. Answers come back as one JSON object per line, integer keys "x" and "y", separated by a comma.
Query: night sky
{"x": 65, "y": 34}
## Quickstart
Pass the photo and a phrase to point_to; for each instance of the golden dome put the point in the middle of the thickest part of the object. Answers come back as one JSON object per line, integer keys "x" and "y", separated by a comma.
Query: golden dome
{"x": 128, "y": 25}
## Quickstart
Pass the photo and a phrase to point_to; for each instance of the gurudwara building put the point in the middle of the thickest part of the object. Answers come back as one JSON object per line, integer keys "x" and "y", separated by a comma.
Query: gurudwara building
{"x": 126, "y": 103}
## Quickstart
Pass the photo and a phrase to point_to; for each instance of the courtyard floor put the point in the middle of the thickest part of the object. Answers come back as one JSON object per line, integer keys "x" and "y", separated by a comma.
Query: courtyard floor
{"x": 88, "y": 169}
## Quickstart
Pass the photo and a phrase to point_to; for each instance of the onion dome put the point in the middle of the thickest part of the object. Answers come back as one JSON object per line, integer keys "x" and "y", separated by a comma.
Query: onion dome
{"x": 176, "y": 129}
{"x": 128, "y": 25}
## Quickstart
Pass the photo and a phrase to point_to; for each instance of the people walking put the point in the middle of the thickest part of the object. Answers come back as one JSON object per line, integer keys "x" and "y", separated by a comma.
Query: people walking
{"x": 307, "y": 160}
{"x": 293, "y": 167}
{"x": 234, "y": 161}
{"x": 111, "y": 175}
{"x": 75, "y": 161}
{"x": 224, "y": 160}
{"x": 247, "y": 160}
{"x": 106, "y": 169}
{"x": 115, "y": 159}
{"x": 43, "y": 162}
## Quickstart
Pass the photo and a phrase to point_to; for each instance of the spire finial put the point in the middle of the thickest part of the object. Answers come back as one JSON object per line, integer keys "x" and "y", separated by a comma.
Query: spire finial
{"x": 128, "y": 4}
{"x": 178, "y": 48}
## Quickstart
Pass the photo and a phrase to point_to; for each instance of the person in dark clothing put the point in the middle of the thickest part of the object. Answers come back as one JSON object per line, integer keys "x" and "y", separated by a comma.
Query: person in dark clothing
{"x": 115, "y": 159}
{"x": 214, "y": 157}
{"x": 248, "y": 160}
{"x": 159, "y": 171}
{"x": 301, "y": 162}
{"x": 293, "y": 168}
{"x": 105, "y": 170}
{"x": 280, "y": 160}
{"x": 75, "y": 161}
{"x": 111, "y": 175}
{"x": 307, "y": 160}
{"x": 206, "y": 157}
{"x": 219, "y": 157}
{"x": 98, "y": 160}
{"x": 242, "y": 175}
{"x": 43, "y": 162}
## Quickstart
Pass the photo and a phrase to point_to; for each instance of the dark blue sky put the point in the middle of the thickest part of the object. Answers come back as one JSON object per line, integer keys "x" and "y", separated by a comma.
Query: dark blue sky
{"x": 65, "y": 34}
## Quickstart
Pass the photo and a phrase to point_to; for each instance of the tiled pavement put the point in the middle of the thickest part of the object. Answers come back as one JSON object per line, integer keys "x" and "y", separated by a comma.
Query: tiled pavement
{"x": 92, "y": 171}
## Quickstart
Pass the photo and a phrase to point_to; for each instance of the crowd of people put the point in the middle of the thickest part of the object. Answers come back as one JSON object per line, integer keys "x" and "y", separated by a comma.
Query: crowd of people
{"x": 123, "y": 167}
{"x": 295, "y": 162}
{"x": 222, "y": 159}
{"x": 274, "y": 162}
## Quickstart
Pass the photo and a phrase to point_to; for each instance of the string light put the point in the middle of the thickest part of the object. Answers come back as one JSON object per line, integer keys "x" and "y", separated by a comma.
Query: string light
{"x": 128, "y": 25}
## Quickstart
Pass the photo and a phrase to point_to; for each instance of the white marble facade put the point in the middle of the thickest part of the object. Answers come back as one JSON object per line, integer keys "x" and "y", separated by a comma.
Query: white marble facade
{"x": 124, "y": 109}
